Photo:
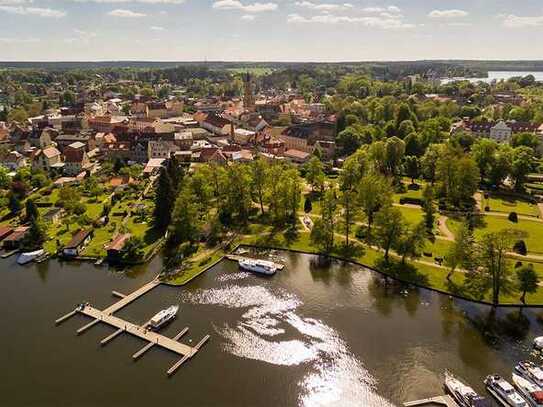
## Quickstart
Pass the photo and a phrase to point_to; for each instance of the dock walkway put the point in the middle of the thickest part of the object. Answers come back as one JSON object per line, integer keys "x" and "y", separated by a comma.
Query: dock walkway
{"x": 141, "y": 331}
{"x": 442, "y": 401}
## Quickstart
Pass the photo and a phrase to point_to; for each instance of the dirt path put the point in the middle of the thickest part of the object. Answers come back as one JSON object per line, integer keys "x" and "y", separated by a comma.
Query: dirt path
{"x": 444, "y": 231}
{"x": 540, "y": 207}
{"x": 478, "y": 201}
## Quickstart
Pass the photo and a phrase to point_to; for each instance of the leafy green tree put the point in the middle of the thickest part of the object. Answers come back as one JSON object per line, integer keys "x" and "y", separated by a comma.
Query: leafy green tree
{"x": 483, "y": 152}
{"x": 31, "y": 210}
{"x": 390, "y": 229}
{"x": 315, "y": 173}
{"x": 18, "y": 115}
{"x": 185, "y": 220}
{"x": 411, "y": 243}
{"x": 259, "y": 180}
{"x": 525, "y": 139}
{"x": 412, "y": 167}
{"x": 500, "y": 167}
{"x": 527, "y": 281}
{"x": 430, "y": 162}
{"x": 374, "y": 193}
{"x": 323, "y": 231}
{"x": 4, "y": 177}
{"x": 164, "y": 199}
{"x": 428, "y": 207}
{"x": 133, "y": 249}
{"x": 36, "y": 235}
{"x": 308, "y": 206}
{"x": 14, "y": 203}
{"x": 521, "y": 165}
{"x": 394, "y": 153}
{"x": 462, "y": 251}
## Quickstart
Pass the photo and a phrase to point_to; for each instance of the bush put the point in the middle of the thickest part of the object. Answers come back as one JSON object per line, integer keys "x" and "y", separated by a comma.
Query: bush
{"x": 513, "y": 217}
{"x": 308, "y": 206}
{"x": 520, "y": 247}
{"x": 410, "y": 200}
{"x": 487, "y": 208}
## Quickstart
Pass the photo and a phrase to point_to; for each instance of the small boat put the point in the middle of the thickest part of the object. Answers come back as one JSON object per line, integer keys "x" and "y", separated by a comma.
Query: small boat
{"x": 503, "y": 392}
{"x": 530, "y": 371}
{"x": 163, "y": 317}
{"x": 464, "y": 395}
{"x": 530, "y": 391}
{"x": 259, "y": 266}
{"x": 27, "y": 257}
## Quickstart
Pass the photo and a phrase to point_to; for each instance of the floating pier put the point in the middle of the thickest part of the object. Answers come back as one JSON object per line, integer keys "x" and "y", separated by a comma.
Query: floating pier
{"x": 141, "y": 331}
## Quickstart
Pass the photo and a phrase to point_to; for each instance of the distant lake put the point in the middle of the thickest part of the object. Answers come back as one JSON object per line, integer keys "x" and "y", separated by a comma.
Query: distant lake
{"x": 498, "y": 76}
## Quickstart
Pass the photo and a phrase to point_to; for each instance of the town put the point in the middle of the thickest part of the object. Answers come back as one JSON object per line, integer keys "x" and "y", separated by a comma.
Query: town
{"x": 425, "y": 173}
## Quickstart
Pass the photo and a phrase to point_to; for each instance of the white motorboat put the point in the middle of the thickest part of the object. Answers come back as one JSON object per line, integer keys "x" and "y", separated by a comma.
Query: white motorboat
{"x": 530, "y": 371}
{"x": 259, "y": 266}
{"x": 530, "y": 391}
{"x": 27, "y": 257}
{"x": 163, "y": 316}
{"x": 464, "y": 395}
{"x": 503, "y": 392}
{"x": 538, "y": 342}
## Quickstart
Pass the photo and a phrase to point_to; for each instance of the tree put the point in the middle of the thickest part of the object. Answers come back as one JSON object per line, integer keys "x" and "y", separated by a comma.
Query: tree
{"x": 132, "y": 250}
{"x": 259, "y": 180}
{"x": 315, "y": 173}
{"x": 430, "y": 161}
{"x": 14, "y": 203}
{"x": 527, "y": 281}
{"x": 411, "y": 242}
{"x": 308, "y": 206}
{"x": 462, "y": 251}
{"x": 390, "y": 229}
{"x": 500, "y": 167}
{"x": 323, "y": 230}
{"x": 185, "y": 219}
{"x": 428, "y": 207}
{"x": 373, "y": 193}
{"x": 394, "y": 153}
{"x": 525, "y": 139}
{"x": 4, "y": 177}
{"x": 31, "y": 210}
{"x": 18, "y": 115}
{"x": 36, "y": 235}
{"x": 483, "y": 152}
{"x": 521, "y": 165}
{"x": 412, "y": 167}
{"x": 164, "y": 199}
{"x": 496, "y": 268}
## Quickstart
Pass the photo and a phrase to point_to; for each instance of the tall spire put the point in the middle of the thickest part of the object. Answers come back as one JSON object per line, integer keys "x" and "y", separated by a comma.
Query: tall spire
{"x": 248, "y": 97}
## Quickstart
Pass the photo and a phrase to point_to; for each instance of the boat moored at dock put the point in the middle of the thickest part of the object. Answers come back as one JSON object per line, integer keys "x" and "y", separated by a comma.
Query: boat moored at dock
{"x": 530, "y": 391}
{"x": 503, "y": 392}
{"x": 28, "y": 257}
{"x": 163, "y": 317}
{"x": 530, "y": 371}
{"x": 259, "y": 266}
{"x": 464, "y": 395}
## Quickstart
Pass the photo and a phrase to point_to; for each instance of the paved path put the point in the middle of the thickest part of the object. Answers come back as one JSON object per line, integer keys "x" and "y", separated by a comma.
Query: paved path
{"x": 444, "y": 229}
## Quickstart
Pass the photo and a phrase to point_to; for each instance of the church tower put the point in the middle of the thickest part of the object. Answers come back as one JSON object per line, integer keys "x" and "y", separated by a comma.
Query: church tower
{"x": 248, "y": 97}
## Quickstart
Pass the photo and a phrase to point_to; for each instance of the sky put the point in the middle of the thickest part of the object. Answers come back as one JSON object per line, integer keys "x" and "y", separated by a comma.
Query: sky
{"x": 270, "y": 30}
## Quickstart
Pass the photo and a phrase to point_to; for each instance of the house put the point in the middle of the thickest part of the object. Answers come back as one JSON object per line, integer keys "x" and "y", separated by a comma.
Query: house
{"x": 13, "y": 160}
{"x": 150, "y": 124}
{"x": 15, "y": 239}
{"x": 217, "y": 125}
{"x": 5, "y": 231}
{"x": 303, "y": 137}
{"x": 105, "y": 123}
{"x": 79, "y": 240}
{"x": 45, "y": 159}
{"x": 54, "y": 215}
{"x": 153, "y": 166}
{"x": 297, "y": 156}
{"x": 76, "y": 159}
{"x": 211, "y": 154}
{"x": 65, "y": 140}
{"x": 501, "y": 132}
{"x": 160, "y": 148}
{"x": 242, "y": 136}
{"x": 115, "y": 247}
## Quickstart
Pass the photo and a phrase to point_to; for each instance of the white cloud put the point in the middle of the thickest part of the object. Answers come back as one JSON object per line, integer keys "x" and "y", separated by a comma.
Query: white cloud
{"x": 248, "y": 17}
{"x": 447, "y": 13}
{"x": 125, "y": 13}
{"x": 513, "y": 21}
{"x": 323, "y": 6}
{"x": 389, "y": 9}
{"x": 81, "y": 36}
{"x": 248, "y": 8}
{"x": 156, "y": 28}
{"x": 14, "y": 2}
{"x": 18, "y": 40}
{"x": 373, "y": 21}
{"x": 33, "y": 11}
{"x": 132, "y": 1}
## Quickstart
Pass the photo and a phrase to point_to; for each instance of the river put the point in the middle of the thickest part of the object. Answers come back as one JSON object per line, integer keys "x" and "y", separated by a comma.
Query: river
{"x": 314, "y": 334}
{"x": 497, "y": 76}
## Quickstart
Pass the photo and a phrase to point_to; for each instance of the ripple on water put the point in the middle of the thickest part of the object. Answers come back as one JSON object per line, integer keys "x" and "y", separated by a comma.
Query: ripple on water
{"x": 333, "y": 375}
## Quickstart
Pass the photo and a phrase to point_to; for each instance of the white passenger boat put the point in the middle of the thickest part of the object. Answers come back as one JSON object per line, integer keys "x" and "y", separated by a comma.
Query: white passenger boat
{"x": 163, "y": 316}
{"x": 530, "y": 371}
{"x": 27, "y": 257}
{"x": 259, "y": 266}
{"x": 538, "y": 342}
{"x": 530, "y": 391}
{"x": 503, "y": 392}
{"x": 464, "y": 395}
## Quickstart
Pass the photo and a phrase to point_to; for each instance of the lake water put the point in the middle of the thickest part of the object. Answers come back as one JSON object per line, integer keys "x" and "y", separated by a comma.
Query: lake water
{"x": 497, "y": 76}
{"x": 330, "y": 334}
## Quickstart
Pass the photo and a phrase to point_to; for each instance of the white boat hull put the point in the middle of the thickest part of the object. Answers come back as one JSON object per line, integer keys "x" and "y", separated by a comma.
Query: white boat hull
{"x": 28, "y": 257}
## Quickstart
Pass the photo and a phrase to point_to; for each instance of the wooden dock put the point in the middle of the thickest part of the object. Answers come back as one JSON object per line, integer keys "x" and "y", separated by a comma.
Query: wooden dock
{"x": 141, "y": 331}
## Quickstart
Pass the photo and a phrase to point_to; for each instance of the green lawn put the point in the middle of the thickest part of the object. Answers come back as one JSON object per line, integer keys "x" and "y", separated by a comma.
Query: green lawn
{"x": 102, "y": 236}
{"x": 507, "y": 205}
{"x": 534, "y": 241}
{"x": 411, "y": 215}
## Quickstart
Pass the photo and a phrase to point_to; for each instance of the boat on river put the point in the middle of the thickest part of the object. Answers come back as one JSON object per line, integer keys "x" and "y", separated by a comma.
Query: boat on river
{"x": 503, "y": 392}
{"x": 531, "y": 392}
{"x": 163, "y": 317}
{"x": 463, "y": 394}
{"x": 530, "y": 371}
{"x": 27, "y": 257}
{"x": 259, "y": 266}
